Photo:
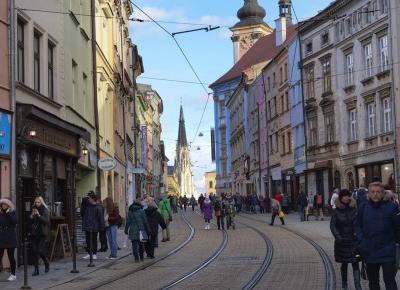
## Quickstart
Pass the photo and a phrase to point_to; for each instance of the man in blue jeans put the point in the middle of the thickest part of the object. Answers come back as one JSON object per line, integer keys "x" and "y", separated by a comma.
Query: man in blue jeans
{"x": 377, "y": 229}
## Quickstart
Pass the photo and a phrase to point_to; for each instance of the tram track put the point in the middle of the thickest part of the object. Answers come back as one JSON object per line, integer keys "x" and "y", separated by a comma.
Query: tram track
{"x": 136, "y": 270}
{"x": 330, "y": 276}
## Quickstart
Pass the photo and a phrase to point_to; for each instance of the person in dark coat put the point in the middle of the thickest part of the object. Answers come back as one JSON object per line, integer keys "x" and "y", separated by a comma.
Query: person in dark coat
{"x": 8, "y": 238}
{"x": 377, "y": 230}
{"x": 342, "y": 228}
{"x": 39, "y": 232}
{"x": 201, "y": 201}
{"x": 301, "y": 205}
{"x": 155, "y": 219}
{"x": 361, "y": 196}
{"x": 136, "y": 223}
{"x": 93, "y": 222}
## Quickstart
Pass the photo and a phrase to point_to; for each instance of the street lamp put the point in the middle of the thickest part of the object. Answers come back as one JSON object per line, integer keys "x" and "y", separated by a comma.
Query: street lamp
{"x": 32, "y": 132}
{"x": 85, "y": 150}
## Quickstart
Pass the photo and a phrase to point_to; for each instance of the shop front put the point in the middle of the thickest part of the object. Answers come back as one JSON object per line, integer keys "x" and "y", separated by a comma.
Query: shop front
{"x": 48, "y": 149}
{"x": 379, "y": 171}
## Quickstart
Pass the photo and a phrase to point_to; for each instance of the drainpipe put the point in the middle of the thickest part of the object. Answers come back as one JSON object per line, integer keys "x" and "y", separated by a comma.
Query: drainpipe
{"x": 267, "y": 191}
{"x": 96, "y": 107}
{"x": 13, "y": 102}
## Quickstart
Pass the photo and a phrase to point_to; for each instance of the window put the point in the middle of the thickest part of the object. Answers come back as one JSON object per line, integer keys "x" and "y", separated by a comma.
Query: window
{"x": 271, "y": 148}
{"x": 74, "y": 81}
{"x": 337, "y": 31}
{"x": 309, "y": 48}
{"x": 286, "y": 72}
{"x": 371, "y": 119}
{"x": 36, "y": 61}
{"x": 354, "y": 20}
{"x": 312, "y": 135}
{"x": 330, "y": 127}
{"x": 282, "y": 101}
{"x": 275, "y": 106}
{"x": 269, "y": 84}
{"x": 349, "y": 27}
{"x": 289, "y": 141}
{"x": 349, "y": 69}
{"x": 387, "y": 115}
{"x": 281, "y": 75}
{"x": 20, "y": 51}
{"x": 269, "y": 110}
{"x": 368, "y": 63}
{"x": 383, "y": 53}
{"x": 360, "y": 13}
{"x": 326, "y": 73}
{"x": 221, "y": 109}
{"x": 50, "y": 70}
{"x": 283, "y": 137}
{"x": 210, "y": 185}
{"x": 273, "y": 80}
{"x": 325, "y": 38}
{"x": 287, "y": 101}
{"x": 367, "y": 14}
{"x": 353, "y": 124}
{"x": 383, "y": 6}
{"x": 310, "y": 91}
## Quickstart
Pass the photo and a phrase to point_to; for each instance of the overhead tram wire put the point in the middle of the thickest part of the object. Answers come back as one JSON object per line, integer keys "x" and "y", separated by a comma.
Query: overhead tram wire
{"x": 187, "y": 60}
{"x": 172, "y": 80}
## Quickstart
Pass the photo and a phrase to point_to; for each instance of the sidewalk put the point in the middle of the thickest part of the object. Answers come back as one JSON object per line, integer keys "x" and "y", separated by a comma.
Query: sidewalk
{"x": 60, "y": 270}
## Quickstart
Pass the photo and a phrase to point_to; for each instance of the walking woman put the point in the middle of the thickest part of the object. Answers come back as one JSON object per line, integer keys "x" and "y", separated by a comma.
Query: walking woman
{"x": 137, "y": 227}
{"x": 342, "y": 229}
{"x": 8, "y": 239}
{"x": 207, "y": 210}
{"x": 154, "y": 219}
{"x": 276, "y": 211}
{"x": 111, "y": 219}
{"x": 40, "y": 223}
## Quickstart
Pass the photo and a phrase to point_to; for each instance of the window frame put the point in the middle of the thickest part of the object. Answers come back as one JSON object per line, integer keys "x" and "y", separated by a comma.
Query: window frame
{"x": 330, "y": 127}
{"x": 387, "y": 121}
{"x": 349, "y": 65}
{"x": 36, "y": 60}
{"x": 371, "y": 119}
{"x": 383, "y": 52}
{"x": 326, "y": 73}
{"x": 353, "y": 125}
{"x": 21, "y": 50}
{"x": 51, "y": 70}
{"x": 368, "y": 60}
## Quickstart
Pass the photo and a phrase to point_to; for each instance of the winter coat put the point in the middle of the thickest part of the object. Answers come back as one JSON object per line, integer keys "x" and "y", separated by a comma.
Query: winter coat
{"x": 316, "y": 205}
{"x": 207, "y": 209}
{"x": 342, "y": 228}
{"x": 40, "y": 224}
{"x": 8, "y": 237}
{"x": 165, "y": 208}
{"x": 93, "y": 218}
{"x": 279, "y": 198}
{"x": 114, "y": 219}
{"x": 361, "y": 197}
{"x": 302, "y": 200}
{"x": 275, "y": 206}
{"x": 155, "y": 219}
{"x": 137, "y": 221}
{"x": 84, "y": 204}
{"x": 377, "y": 230}
{"x": 219, "y": 208}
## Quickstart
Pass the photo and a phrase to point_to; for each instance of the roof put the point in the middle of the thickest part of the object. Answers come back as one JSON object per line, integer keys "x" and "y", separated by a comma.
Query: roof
{"x": 250, "y": 14}
{"x": 263, "y": 50}
{"x": 182, "y": 140}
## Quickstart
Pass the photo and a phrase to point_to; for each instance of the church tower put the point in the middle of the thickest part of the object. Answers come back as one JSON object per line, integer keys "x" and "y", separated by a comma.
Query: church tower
{"x": 183, "y": 164}
{"x": 249, "y": 29}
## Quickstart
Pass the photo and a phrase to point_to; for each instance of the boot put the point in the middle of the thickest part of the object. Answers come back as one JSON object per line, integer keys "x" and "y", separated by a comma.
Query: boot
{"x": 344, "y": 280}
{"x": 46, "y": 265}
{"x": 36, "y": 272}
{"x": 357, "y": 279}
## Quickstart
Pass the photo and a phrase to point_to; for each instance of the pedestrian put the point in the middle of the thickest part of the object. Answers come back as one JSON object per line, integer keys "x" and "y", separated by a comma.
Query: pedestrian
{"x": 154, "y": 219}
{"x": 279, "y": 197}
{"x": 207, "y": 210}
{"x": 219, "y": 211}
{"x": 229, "y": 211}
{"x": 335, "y": 195}
{"x": 318, "y": 205}
{"x": 172, "y": 202}
{"x": 377, "y": 230}
{"x": 276, "y": 211}
{"x": 310, "y": 206}
{"x": 185, "y": 202}
{"x": 285, "y": 202}
{"x": 342, "y": 228}
{"x": 92, "y": 224}
{"x": 361, "y": 196}
{"x": 301, "y": 205}
{"x": 112, "y": 220}
{"x": 201, "y": 201}
{"x": 39, "y": 232}
{"x": 192, "y": 202}
{"x": 261, "y": 203}
{"x": 138, "y": 229}
{"x": 165, "y": 210}
{"x": 8, "y": 236}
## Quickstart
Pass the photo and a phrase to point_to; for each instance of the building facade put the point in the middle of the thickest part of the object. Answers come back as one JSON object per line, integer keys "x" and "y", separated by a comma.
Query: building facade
{"x": 209, "y": 178}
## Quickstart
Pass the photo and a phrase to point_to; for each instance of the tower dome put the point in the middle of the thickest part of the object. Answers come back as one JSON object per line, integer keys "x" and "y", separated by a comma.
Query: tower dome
{"x": 250, "y": 14}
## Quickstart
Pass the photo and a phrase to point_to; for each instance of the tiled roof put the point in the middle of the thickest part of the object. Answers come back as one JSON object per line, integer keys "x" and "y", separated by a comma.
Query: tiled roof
{"x": 263, "y": 50}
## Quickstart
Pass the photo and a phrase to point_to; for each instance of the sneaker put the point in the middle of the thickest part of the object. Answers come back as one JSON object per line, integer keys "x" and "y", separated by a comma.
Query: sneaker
{"x": 86, "y": 257}
{"x": 94, "y": 257}
{"x": 112, "y": 258}
{"x": 205, "y": 227}
{"x": 12, "y": 278}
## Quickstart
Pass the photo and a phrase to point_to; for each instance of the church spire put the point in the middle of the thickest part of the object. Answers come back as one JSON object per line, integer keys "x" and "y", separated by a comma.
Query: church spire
{"x": 182, "y": 141}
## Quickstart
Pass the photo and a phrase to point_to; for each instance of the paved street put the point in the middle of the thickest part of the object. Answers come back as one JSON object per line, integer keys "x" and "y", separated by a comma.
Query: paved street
{"x": 227, "y": 264}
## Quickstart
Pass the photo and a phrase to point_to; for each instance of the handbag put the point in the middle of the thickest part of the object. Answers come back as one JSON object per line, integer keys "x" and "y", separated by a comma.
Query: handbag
{"x": 281, "y": 214}
{"x": 143, "y": 237}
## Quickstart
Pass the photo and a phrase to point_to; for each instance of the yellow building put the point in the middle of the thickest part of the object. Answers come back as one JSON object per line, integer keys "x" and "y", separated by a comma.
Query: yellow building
{"x": 210, "y": 182}
{"x": 172, "y": 182}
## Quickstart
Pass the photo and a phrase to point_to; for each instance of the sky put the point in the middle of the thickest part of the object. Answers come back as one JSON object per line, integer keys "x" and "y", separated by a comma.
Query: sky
{"x": 210, "y": 54}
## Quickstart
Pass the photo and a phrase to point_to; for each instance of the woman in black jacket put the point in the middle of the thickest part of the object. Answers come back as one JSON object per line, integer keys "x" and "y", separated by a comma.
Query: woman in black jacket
{"x": 154, "y": 219}
{"x": 342, "y": 228}
{"x": 8, "y": 239}
{"x": 40, "y": 223}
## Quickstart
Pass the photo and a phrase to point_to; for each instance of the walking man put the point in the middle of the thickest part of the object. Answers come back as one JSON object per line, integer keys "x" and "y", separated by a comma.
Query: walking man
{"x": 378, "y": 230}
{"x": 165, "y": 210}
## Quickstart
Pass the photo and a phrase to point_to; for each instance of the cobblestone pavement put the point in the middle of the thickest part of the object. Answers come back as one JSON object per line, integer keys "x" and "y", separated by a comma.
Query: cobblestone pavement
{"x": 295, "y": 264}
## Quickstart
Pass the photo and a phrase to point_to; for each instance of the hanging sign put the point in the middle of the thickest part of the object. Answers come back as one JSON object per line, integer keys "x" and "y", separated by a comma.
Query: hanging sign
{"x": 107, "y": 164}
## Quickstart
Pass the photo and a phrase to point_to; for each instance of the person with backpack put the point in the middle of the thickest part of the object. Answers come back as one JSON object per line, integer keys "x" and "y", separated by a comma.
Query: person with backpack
{"x": 219, "y": 211}
{"x": 319, "y": 205}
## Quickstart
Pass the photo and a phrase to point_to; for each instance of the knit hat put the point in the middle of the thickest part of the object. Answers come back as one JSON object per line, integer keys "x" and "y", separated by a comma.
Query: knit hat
{"x": 344, "y": 192}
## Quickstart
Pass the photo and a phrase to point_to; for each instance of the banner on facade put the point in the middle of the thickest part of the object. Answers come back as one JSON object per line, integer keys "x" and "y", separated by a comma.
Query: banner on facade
{"x": 276, "y": 173}
{"x": 213, "y": 144}
{"x": 5, "y": 133}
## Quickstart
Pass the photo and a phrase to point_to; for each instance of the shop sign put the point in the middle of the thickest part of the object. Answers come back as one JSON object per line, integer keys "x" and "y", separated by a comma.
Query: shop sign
{"x": 107, "y": 164}
{"x": 136, "y": 170}
{"x": 5, "y": 133}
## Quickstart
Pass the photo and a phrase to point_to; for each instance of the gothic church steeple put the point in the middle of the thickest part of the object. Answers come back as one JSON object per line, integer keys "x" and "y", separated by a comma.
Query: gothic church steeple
{"x": 182, "y": 141}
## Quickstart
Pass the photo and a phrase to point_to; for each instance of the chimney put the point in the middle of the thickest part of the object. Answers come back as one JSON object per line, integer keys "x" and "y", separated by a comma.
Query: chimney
{"x": 280, "y": 31}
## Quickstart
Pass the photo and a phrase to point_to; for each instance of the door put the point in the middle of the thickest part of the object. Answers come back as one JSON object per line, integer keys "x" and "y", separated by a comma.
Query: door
{"x": 319, "y": 179}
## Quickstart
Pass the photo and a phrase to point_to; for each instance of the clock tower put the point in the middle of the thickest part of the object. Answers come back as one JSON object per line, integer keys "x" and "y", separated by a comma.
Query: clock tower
{"x": 249, "y": 29}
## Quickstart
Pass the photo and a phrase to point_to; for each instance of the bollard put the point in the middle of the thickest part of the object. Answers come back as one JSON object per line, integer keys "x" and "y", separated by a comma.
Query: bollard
{"x": 26, "y": 286}
{"x": 74, "y": 270}
{"x": 91, "y": 249}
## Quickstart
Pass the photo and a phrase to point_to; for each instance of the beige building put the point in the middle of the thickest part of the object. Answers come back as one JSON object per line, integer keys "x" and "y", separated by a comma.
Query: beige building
{"x": 210, "y": 182}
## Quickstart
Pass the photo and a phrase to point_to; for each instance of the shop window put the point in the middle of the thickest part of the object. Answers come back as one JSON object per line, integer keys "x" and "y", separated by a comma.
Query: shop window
{"x": 388, "y": 176}
{"x": 361, "y": 177}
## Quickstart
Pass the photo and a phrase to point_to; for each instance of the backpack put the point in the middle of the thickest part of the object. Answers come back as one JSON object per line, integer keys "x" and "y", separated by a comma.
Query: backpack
{"x": 319, "y": 200}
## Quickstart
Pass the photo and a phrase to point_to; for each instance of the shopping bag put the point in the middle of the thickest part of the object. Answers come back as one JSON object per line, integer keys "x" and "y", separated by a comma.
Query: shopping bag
{"x": 281, "y": 214}
{"x": 143, "y": 236}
